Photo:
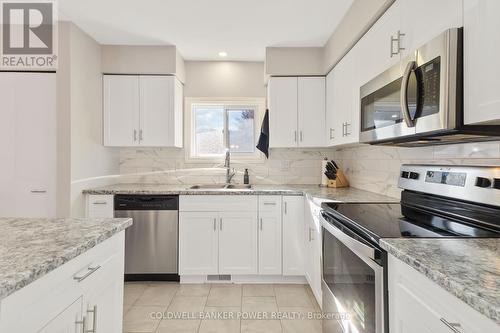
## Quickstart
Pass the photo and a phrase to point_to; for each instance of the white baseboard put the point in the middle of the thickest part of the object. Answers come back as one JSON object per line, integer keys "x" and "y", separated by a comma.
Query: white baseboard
{"x": 241, "y": 279}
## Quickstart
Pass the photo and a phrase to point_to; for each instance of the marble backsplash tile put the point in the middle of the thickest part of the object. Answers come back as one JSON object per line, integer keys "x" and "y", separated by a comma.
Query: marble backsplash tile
{"x": 375, "y": 168}
{"x": 169, "y": 166}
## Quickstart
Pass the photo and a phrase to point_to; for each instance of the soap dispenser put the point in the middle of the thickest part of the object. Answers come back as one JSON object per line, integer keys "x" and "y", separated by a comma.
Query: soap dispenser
{"x": 246, "y": 178}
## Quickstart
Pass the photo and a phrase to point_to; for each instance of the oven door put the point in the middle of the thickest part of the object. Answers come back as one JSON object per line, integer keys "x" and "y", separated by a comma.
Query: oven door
{"x": 352, "y": 285}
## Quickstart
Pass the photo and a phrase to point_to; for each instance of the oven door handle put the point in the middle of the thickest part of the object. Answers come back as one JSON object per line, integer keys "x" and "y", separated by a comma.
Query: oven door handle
{"x": 404, "y": 93}
{"x": 353, "y": 244}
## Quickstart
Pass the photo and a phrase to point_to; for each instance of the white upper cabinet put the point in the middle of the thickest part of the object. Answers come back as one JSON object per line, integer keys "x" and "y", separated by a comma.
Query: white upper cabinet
{"x": 142, "y": 111}
{"x": 311, "y": 111}
{"x": 121, "y": 110}
{"x": 481, "y": 52}
{"x": 282, "y": 95}
{"x": 422, "y": 20}
{"x": 296, "y": 112}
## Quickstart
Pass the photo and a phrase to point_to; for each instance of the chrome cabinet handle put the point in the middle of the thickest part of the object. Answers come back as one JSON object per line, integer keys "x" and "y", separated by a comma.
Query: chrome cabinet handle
{"x": 331, "y": 133}
{"x": 404, "y": 93}
{"x": 261, "y": 224}
{"x": 398, "y": 41}
{"x": 455, "y": 327}
{"x": 285, "y": 207}
{"x": 94, "y": 320}
{"x": 301, "y": 136}
{"x": 269, "y": 203}
{"x": 347, "y": 133}
{"x": 82, "y": 322}
{"x": 215, "y": 224}
{"x": 99, "y": 203}
{"x": 220, "y": 224}
{"x": 140, "y": 135}
{"x": 310, "y": 234}
{"x": 135, "y": 135}
{"x": 38, "y": 191}
{"x": 90, "y": 271}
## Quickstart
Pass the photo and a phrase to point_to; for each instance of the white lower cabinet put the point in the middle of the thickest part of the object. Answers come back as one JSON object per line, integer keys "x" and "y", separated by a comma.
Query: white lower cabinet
{"x": 198, "y": 243}
{"x": 238, "y": 243}
{"x": 418, "y": 305}
{"x": 83, "y": 295}
{"x": 66, "y": 321}
{"x": 313, "y": 248}
{"x": 270, "y": 235}
{"x": 100, "y": 206}
{"x": 221, "y": 239}
{"x": 293, "y": 235}
{"x": 241, "y": 235}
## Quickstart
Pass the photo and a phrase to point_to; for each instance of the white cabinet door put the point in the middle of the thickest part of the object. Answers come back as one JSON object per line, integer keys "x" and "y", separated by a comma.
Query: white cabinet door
{"x": 438, "y": 16}
{"x": 198, "y": 243}
{"x": 481, "y": 50}
{"x": 417, "y": 304}
{"x": 270, "y": 235}
{"x": 157, "y": 116}
{"x": 313, "y": 248}
{"x": 311, "y": 111}
{"x": 178, "y": 114}
{"x": 238, "y": 243}
{"x": 293, "y": 235}
{"x": 28, "y": 146}
{"x": 103, "y": 302}
{"x": 121, "y": 110}
{"x": 282, "y": 96}
{"x": 67, "y": 320}
{"x": 331, "y": 116}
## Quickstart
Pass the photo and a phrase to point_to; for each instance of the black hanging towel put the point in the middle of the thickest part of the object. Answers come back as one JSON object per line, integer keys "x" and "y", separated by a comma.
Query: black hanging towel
{"x": 263, "y": 144}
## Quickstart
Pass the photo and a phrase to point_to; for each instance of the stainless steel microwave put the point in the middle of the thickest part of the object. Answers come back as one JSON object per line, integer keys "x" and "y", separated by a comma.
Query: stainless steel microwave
{"x": 419, "y": 101}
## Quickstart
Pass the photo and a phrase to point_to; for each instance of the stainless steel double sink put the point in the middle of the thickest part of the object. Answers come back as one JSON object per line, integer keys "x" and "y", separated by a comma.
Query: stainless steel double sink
{"x": 221, "y": 187}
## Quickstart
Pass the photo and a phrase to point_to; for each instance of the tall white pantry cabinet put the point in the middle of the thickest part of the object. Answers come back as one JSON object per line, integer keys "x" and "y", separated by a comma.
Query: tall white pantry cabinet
{"x": 28, "y": 150}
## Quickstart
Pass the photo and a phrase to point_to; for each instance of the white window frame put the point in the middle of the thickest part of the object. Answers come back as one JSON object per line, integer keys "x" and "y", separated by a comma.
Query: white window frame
{"x": 189, "y": 128}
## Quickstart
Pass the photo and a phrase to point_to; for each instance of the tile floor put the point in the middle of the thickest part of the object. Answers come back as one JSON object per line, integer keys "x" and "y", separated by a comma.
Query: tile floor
{"x": 218, "y": 308}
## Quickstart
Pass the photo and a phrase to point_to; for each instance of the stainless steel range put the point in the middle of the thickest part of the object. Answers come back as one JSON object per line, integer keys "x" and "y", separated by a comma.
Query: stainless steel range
{"x": 437, "y": 201}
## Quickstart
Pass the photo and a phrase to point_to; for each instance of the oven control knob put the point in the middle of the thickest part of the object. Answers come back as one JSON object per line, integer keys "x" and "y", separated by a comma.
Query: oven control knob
{"x": 483, "y": 182}
{"x": 414, "y": 175}
{"x": 496, "y": 183}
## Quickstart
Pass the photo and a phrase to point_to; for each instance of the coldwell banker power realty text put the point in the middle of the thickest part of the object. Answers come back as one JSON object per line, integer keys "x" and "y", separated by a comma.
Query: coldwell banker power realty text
{"x": 29, "y": 35}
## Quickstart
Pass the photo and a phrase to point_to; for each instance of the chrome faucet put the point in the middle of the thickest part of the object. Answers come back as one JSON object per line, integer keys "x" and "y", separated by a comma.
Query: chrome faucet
{"x": 227, "y": 164}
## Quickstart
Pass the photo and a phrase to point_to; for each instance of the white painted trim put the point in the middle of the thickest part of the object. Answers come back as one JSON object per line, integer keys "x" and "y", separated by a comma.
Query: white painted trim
{"x": 244, "y": 279}
{"x": 260, "y": 104}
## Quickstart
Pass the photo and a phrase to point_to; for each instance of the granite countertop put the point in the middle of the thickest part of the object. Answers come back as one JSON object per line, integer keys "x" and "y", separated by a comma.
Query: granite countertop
{"x": 33, "y": 247}
{"x": 467, "y": 268}
{"x": 348, "y": 194}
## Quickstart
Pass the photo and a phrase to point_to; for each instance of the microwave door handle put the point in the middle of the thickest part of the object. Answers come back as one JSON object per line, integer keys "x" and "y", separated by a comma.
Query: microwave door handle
{"x": 404, "y": 94}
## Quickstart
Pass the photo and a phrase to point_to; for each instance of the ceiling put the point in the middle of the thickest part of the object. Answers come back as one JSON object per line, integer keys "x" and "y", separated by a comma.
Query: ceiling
{"x": 202, "y": 28}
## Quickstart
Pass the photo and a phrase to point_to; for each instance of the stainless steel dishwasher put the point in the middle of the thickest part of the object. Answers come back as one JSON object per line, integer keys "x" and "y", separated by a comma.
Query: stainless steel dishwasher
{"x": 151, "y": 243}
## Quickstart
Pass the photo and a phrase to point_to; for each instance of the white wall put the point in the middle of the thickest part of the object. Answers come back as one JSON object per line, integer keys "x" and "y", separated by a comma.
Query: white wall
{"x": 91, "y": 163}
{"x": 133, "y": 59}
{"x": 224, "y": 79}
{"x": 294, "y": 61}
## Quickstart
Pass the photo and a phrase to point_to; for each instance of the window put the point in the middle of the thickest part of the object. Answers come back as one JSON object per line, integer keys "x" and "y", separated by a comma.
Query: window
{"x": 217, "y": 127}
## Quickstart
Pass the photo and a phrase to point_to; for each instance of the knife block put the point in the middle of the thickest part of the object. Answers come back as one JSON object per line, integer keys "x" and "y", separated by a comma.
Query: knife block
{"x": 341, "y": 181}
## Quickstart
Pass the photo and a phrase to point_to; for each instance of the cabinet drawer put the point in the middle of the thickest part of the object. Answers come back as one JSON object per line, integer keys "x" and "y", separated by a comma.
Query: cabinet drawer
{"x": 217, "y": 203}
{"x": 100, "y": 206}
{"x": 269, "y": 203}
